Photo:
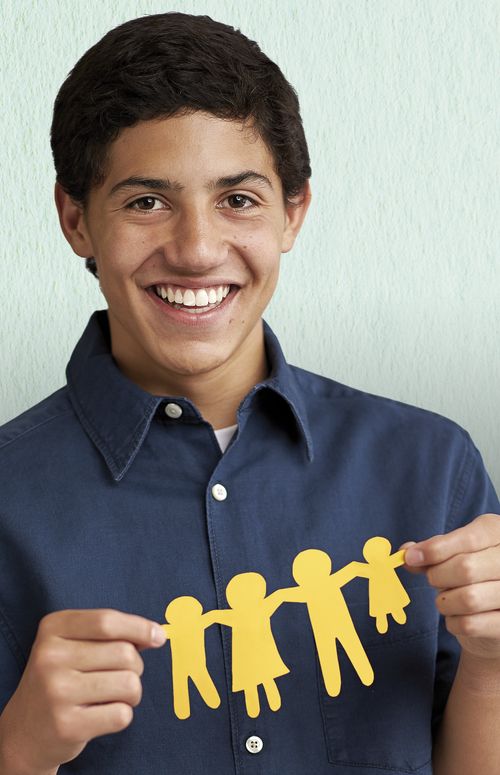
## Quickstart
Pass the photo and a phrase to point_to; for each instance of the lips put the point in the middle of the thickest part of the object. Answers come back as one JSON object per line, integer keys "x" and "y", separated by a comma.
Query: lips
{"x": 192, "y": 305}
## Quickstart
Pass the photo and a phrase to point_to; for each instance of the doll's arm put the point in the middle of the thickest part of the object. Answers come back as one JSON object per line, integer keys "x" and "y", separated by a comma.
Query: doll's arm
{"x": 167, "y": 629}
{"x": 285, "y": 595}
{"x": 217, "y": 617}
{"x": 350, "y": 572}
{"x": 398, "y": 558}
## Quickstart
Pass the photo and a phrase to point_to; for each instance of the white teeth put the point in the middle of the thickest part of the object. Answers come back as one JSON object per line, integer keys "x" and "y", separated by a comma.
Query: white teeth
{"x": 189, "y": 298}
{"x": 201, "y": 298}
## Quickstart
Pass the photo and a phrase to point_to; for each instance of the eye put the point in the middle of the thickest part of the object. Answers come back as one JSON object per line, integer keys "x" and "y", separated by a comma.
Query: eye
{"x": 146, "y": 204}
{"x": 237, "y": 202}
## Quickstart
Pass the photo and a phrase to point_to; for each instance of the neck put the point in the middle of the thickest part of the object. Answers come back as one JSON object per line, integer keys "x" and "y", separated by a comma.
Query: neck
{"x": 216, "y": 393}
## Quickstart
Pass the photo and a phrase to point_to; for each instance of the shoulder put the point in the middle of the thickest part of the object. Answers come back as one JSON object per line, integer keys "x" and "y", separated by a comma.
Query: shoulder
{"x": 40, "y": 423}
{"x": 387, "y": 419}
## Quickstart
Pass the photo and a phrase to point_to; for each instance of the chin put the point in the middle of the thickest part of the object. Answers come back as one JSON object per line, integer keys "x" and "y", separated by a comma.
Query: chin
{"x": 195, "y": 364}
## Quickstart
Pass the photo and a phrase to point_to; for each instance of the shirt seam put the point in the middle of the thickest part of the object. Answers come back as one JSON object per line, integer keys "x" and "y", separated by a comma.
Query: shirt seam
{"x": 384, "y": 767}
{"x": 35, "y": 427}
{"x": 461, "y": 485}
{"x": 11, "y": 641}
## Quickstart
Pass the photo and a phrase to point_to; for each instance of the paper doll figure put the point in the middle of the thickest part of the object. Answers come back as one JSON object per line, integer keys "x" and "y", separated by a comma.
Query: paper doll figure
{"x": 186, "y": 631}
{"x": 329, "y": 615}
{"x": 255, "y": 656}
{"x": 385, "y": 591}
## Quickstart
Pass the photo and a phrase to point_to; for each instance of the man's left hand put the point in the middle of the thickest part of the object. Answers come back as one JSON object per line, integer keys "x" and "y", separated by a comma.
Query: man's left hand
{"x": 464, "y": 566}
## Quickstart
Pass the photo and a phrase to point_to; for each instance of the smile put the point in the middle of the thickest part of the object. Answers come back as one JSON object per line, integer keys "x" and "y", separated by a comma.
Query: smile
{"x": 194, "y": 300}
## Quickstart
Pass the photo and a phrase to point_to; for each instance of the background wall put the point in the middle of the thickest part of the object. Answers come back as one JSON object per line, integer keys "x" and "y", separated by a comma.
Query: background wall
{"x": 393, "y": 286}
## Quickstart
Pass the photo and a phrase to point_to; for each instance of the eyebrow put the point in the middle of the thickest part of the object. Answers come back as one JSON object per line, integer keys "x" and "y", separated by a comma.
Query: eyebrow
{"x": 164, "y": 184}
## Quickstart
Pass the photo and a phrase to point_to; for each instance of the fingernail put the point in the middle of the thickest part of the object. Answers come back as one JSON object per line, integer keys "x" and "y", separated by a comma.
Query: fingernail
{"x": 414, "y": 556}
{"x": 158, "y": 635}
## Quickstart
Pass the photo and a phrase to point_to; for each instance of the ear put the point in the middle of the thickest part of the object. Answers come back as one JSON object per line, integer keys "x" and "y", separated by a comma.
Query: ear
{"x": 72, "y": 221}
{"x": 295, "y": 213}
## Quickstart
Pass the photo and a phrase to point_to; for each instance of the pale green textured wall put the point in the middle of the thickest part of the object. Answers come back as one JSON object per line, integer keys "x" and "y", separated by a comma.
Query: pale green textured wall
{"x": 393, "y": 286}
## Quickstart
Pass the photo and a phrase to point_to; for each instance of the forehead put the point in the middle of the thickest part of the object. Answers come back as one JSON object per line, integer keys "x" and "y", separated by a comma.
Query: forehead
{"x": 196, "y": 145}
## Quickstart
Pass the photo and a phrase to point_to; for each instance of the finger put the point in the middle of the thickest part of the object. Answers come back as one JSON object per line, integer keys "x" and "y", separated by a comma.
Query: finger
{"x": 481, "y": 533}
{"x": 464, "y": 569}
{"x": 90, "y": 656}
{"x": 472, "y": 599}
{"x": 94, "y": 720}
{"x": 483, "y": 625}
{"x": 103, "y": 624}
{"x": 411, "y": 568}
{"x": 107, "y": 686}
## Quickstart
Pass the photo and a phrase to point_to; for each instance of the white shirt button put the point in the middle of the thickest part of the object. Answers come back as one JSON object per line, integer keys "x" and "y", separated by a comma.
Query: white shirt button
{"x": 219, "y": 492}
{"x": 254, "y": 744}
{"x": 173, "y": 411}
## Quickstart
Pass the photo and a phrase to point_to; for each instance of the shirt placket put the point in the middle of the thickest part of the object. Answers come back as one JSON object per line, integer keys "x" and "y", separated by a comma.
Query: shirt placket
{"x": 248, "y": 736}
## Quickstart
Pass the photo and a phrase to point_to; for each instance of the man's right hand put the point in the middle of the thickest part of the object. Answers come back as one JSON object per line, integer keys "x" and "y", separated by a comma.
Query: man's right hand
{"x": 82, "y": 680}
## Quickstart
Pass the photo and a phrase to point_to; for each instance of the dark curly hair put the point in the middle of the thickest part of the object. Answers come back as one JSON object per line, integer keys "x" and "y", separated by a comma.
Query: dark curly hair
{"x": 159, "y": 65}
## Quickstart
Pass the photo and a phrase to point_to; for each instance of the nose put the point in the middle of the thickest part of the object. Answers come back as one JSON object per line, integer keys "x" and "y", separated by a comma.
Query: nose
{"x": 196, "y": 242}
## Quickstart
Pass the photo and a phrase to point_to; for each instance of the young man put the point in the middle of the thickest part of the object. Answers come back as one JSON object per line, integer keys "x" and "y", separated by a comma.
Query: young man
{"x": 182, "y": 176}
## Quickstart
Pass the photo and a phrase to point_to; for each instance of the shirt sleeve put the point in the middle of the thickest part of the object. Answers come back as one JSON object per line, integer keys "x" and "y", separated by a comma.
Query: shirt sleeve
{"x": 474, "y": 495}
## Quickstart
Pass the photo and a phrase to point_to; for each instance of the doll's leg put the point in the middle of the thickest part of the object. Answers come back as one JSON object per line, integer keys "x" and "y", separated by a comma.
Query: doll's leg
{"x": 329, "y": 661}
{"x": 252, "y": 701}
{"x": 207, "y": 689}
{"x": 182, "y": 707}
{"x": 272, "y": 694}
{"x": 399, "y": 616}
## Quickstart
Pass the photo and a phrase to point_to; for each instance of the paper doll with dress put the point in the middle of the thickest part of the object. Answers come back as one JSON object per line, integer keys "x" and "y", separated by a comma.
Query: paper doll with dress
{"x": 386, "y": 593}
{"x": 256, "y": 660}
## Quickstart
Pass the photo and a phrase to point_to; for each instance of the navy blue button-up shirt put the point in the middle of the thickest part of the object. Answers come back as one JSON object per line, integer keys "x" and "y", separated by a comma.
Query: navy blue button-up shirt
{"x": 106, "y": 501}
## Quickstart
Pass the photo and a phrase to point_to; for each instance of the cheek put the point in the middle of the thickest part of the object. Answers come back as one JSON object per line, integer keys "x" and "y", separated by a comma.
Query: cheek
{"x": 122, "y": 254}
{"x": 262, "y": 255}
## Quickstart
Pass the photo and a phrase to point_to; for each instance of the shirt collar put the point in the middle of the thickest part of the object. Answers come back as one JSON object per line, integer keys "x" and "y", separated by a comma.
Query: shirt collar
{"x": 283, "y": 381}
{"x": 116, "y": 413}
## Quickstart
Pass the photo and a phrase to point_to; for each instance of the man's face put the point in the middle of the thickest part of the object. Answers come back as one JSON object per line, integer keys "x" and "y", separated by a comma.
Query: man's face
{"x": 187, "y": 261}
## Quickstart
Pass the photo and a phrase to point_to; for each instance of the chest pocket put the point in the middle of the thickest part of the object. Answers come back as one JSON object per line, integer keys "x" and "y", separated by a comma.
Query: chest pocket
{"x": 386, "y": 725}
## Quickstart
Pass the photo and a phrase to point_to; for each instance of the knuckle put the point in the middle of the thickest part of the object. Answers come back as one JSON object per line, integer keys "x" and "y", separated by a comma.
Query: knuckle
{"x": 468, "y": 626}
{"x": 133, "y": 687}
{"x": 467, "y": 568}
{"x": 106, "y": 622}
{"x": 46, "y": 656}
{"x": 488, "y": 525}
{"x": 46, "y": 624}
{"x": 471, "y": 597}
{"x": 59, "y": 688}
{"x": 122, "y": 716}
{"x": 127, "y": 654}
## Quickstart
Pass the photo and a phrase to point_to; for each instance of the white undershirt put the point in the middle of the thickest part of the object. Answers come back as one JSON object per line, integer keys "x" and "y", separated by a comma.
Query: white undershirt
{"x": 224, "y": 436}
